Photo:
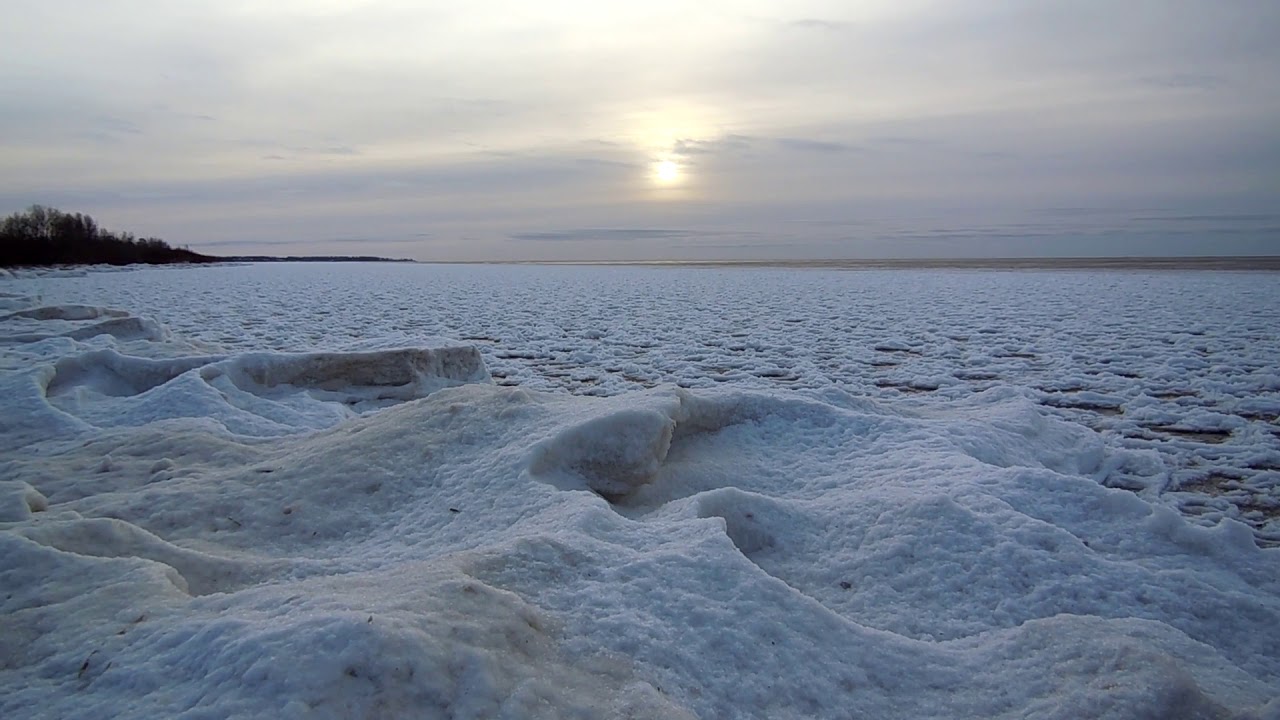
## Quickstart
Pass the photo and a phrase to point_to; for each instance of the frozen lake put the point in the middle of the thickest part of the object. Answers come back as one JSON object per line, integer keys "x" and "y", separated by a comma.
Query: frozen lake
{"x": 1181, "y": 362}
{"x": 605, "y": 330}
{"x": 292, "y": 490}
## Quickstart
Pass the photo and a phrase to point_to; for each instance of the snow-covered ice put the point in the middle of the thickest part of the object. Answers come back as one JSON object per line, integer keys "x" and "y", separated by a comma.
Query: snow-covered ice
{"x": 476, "y": 492}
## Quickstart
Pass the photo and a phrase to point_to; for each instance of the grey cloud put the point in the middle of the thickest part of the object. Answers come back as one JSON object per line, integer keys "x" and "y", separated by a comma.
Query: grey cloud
{"x": 98, "y": 130}
{"x": 1184, "y": 81}
{"x": 282, "y": 149}
{"x": 726, "y": 144}
{"x": 166, "y": 109}
{"x": 585, "y": 234}
{"x": 824, "y": 223}
{"x": 742, "y": 146}
{"x": 112, "y": 124}
{"x": 321, "y": 241}
{"x": 1217, "y": 217}
{"x": 903, "y": 141}
{"x": 331, "y": 150}
{"x": 815, "y": 146}
{"x": 630, "y": 234}
{"x": 603, "y": 162}
{"x": 301, "y": 152}
{"x": 479, "y": 177}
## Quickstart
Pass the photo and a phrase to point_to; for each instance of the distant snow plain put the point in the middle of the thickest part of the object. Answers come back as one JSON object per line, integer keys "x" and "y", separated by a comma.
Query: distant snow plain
{"x": 383, "y": 490}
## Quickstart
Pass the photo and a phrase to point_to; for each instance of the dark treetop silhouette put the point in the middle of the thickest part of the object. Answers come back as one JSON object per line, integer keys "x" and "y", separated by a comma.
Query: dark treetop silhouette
{"x": 47, "y": 236}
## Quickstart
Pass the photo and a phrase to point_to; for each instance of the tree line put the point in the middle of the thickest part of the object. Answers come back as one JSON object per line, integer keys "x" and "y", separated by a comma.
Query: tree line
{"x": 48, "y": 236}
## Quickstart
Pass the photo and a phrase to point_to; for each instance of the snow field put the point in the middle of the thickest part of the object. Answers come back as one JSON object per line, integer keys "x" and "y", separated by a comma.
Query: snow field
{"x": 1180, "y": 363}
{"x": 347, "y": 527}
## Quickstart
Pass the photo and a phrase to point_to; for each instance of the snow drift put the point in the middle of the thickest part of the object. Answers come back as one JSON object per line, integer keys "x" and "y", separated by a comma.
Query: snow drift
{"x": 258, "y": 394}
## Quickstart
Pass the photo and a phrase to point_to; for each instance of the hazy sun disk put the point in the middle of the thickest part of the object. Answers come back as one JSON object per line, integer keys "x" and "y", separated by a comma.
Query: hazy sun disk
{"x": 666, "y": 172}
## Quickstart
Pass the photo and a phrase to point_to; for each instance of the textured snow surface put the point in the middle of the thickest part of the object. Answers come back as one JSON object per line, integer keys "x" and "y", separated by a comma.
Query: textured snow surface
{"x": 278, "y": 491}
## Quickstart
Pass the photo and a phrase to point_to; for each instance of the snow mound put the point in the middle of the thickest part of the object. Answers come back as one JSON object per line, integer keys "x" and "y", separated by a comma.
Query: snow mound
{"x": 612, "y": 454}
{"x": 18, "y": 501}
{"x": 65, "y": 312}
{"x": 615, "y": 446}
{"x": 195, "y": 572}
{"x": 30, "y": 323}
{"x": 424, "y": 640}
{"x": 108, "y": 373}
{"x": 417, "y": 370}
{"x": 252, "y": 393}
{"x": 10, "y": 301}
{"x": 748, "y": 517}
{"x": 122, "y": 328}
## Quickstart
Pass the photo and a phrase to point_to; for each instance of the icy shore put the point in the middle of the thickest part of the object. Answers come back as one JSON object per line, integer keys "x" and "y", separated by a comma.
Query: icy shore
{"x": 382, "y": 531}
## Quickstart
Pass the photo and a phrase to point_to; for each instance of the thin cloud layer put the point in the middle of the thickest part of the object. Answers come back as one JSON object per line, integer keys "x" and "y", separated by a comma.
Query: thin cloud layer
{"x": 468, "y": 131}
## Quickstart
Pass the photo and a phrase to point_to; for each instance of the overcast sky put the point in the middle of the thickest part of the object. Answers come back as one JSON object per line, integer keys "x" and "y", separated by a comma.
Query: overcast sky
{"x": 552, "y": 130}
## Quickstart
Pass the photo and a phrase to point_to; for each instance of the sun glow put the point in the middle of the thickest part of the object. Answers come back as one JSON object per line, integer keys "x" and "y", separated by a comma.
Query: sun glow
{"x": 666, "y": 172}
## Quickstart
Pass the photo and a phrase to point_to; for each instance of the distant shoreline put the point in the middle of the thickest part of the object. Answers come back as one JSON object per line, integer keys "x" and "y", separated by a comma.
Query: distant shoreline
{"x": 1261, "y": 263}
{"x": 308, "y": 258}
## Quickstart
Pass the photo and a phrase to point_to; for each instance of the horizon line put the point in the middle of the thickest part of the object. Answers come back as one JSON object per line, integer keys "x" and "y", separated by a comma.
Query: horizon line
{"x": 1220, "y": 262}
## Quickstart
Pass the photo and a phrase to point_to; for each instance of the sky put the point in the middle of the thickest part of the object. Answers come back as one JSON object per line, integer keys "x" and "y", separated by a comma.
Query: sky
{"x": 655, "y": 130}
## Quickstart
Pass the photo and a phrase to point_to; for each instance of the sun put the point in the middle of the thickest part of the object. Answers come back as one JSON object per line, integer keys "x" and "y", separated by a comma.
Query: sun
{"x": 666, "y": 172}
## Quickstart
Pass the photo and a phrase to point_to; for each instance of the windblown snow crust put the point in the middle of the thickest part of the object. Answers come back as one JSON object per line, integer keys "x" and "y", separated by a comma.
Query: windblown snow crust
{"x": 385, "y": 533}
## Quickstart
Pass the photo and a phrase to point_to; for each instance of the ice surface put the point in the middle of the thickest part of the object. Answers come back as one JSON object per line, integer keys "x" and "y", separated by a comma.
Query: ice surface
{"x": 248, "y": 393}
{"x": 1179, "y": 363}
{"x": 912, "y": 497}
